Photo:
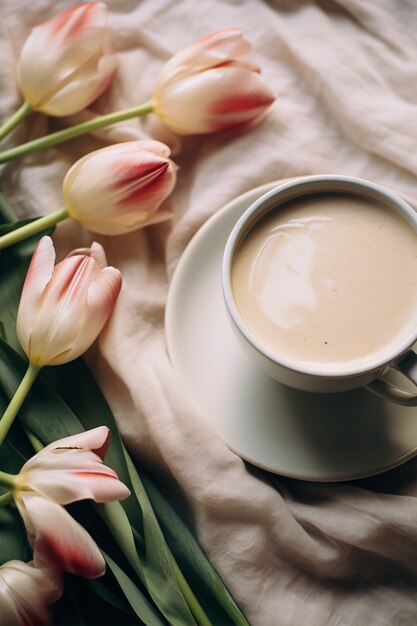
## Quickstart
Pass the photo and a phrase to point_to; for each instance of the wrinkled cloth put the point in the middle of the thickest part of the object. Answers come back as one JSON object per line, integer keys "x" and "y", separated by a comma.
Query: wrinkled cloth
{"x": 292, "y": 553}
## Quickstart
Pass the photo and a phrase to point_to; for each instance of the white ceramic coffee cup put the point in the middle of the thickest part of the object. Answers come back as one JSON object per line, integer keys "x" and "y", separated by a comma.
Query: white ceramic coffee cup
{"x": 402, "y": 359}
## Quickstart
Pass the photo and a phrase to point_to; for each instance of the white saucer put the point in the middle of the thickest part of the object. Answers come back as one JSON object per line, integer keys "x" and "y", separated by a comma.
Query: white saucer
{"x": 301, "y": 435}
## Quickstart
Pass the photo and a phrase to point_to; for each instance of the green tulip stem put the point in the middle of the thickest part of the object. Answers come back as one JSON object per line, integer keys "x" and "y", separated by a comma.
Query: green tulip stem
{"x": 16, "y": 402}
{"x": 6, "y": 498}
{"x": 193, "y": 604}
{"x": 15, "y": 120}
{"x": 75, "y": 131}
{"x": 33, "y": 228}
{"x": 8, "y": 480}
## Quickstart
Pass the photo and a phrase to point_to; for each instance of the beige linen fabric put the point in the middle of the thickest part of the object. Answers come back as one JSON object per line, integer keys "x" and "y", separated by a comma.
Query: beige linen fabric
{"x": 345, "y": 76}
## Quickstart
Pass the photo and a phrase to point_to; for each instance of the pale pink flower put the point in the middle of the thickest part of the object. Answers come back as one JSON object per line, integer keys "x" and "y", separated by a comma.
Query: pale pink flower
{"x": 67, "y": 62}
{"x": 120, "y": 188}
{"x": 63, "y": 308}
{"x": 66, "y": 471}
{"x": 25, "y": 592}
{"x": 211, "y": 86}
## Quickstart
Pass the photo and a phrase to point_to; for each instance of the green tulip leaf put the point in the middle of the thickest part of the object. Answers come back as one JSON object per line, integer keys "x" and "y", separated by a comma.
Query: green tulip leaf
{"x": 99, "y": 602}
{"x": 139, "y": 603}
{"x": 107, "y": 595}
{"x": 118, "y": 523}
{"x": 205, "y": 581}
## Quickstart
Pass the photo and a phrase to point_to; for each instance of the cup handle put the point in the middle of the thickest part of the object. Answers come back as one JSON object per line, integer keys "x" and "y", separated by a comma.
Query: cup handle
{"x": 407, "y": 366}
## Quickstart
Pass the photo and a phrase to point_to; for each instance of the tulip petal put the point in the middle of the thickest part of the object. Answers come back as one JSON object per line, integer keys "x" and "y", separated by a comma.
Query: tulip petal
{"x": 56, "y": 326}
{"x": 57, "y": 539}
{"x": 215, "y": 100}
{"x": 138, "y": 179}
{"x": 135, "y": 178}
{"x": 39, "y": 274}
{"x": 63, "y": 311}
{"x": 10, "y": 610}
{"x": 97, "y": 253}
{"x": 96, "y": 439}
{"x": 84, "y": 87}
{"x": 121, "y": 173}
{"x": 209, "y": 52}
{"x": 101, "y": 299}
{"x": 68, "y": 61}
{"x": 133, "y": 220}
{"x": 66, "y": 43}
{"x": 25, "y": 592}
{"x": 103, "y": 293}
{"x": 75, "y": 484}
{"x": 211, "y": 86}
{"x": 240, "y": 107}
{"x": 71, "y": 469}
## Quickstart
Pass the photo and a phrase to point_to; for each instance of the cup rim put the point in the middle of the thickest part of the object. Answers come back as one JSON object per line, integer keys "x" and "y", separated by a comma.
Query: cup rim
{"x": 273, "y": 199}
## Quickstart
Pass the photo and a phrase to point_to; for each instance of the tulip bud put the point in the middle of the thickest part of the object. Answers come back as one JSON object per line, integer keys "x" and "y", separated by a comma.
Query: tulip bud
{"x": 120, "y": 188}
{"x": 63, "y": 308}
{"x": 25, "y": 592}
{"x": 67, "y": 62}
{"x": 211, "y": 86}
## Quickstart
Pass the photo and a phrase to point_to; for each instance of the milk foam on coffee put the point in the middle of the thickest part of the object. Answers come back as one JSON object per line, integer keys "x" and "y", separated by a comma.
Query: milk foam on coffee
{"x": 328, "y": 281}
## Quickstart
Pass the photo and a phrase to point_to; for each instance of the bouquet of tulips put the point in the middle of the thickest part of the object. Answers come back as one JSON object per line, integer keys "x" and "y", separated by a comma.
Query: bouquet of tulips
{"x": 131, "y": 558}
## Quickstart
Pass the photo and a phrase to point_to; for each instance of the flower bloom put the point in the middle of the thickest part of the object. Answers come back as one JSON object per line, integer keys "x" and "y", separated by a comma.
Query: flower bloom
{"x": 121, "y": 187}
{"x": 67, "y": 62}
{"x": 66, "y": 471}
{"x": 25, "y": 593}
{"x": 63, "y": 308}
{"x": 211, "y": 86}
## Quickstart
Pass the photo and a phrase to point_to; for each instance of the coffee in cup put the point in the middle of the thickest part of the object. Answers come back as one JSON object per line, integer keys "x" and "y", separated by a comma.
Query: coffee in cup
{"x": 320, "y": 280}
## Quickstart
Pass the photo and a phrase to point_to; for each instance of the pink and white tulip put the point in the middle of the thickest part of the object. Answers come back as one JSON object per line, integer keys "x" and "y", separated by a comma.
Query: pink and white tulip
{"x": 25, "y": 592}
{"x": 211, "y": 86}
{"x": 63, "y": 308}
{"x": 120, "y": 188}
{"x": 68, "y": 470}
{"x": 67, "y": 62}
